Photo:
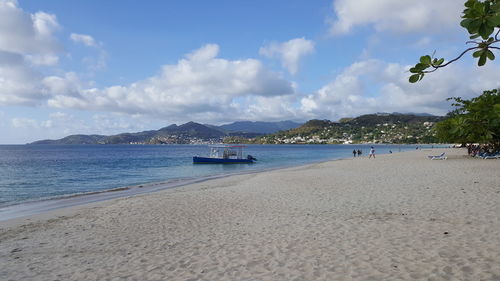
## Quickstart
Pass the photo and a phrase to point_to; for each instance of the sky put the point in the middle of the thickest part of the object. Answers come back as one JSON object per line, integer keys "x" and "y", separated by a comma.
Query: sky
{"x": 107, "y": 67}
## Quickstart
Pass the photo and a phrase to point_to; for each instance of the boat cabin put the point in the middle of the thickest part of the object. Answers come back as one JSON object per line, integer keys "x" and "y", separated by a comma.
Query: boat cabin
{"x": 224, "y": 154}
{"x": 227, "y": 152}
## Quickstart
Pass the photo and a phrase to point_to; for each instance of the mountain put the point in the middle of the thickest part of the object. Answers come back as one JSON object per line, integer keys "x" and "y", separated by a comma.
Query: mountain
{"x": 192, "y": 129}
{"x": 370, "y": 128}
{"x": 259, "y": 127}
{"x": 190, "y": 132}
{"x": 75, "y": 139}
{"x": 187, "y": 133}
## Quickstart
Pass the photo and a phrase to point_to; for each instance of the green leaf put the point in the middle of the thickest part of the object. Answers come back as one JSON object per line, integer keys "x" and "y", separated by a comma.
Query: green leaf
{"x": 425, "y": 59}
{"x": 491, "y": 29}
{"x": 414, "y": 78}
{"x": 478, "y": 6}
{"x": 477, "y": 54}
{"x": 474, "y": 25}
{"x": 414, "y": 70}
{"x": 421, "y": 66}
{"x": 465, "y": 23}
{"x": 490, "y": 55}
{"x": 494, "y": 21}
{"x": 476, "y": 10}
{"x": 440, "y": 61}
{"x": 482, "y": 59}
{"x": 483, "y": 31}
{"x": 487, "y": 30}
{"x": 474, "y": 36}
{"x": 469, "y": 3}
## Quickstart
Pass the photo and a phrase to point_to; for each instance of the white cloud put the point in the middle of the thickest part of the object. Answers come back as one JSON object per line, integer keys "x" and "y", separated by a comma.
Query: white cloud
{"x": 69, "y": 85}
{"x": 271, "y": 109}
{"x": 87, "y": 40}
{"x": 118, "y": 123}
{"x": 289, "y": 52}
{"x": 27, "y": 34}
{"x": 42, "y": 59}
{"x": 26, "y": 40}
{"x": 375, "y": 86}
{"x": 198, "y": 85}
{"x": 94, "y": 62}
{"x": 24, "y": 123}
{"x": 19, "y": 83}
{"x": 57, "y": 125}
{"x": 58, "y": 115}
{"x": 396, "y": 15}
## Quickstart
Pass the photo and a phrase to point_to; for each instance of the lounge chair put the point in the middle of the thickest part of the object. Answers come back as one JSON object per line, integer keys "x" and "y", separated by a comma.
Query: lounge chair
{"x": 438, "y": 157}
{"x": 491, "y": 156}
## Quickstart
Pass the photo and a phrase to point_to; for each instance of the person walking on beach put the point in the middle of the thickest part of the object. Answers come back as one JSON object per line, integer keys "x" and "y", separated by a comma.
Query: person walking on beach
{"x": 354, "y": 153}
{"x": 359, "y": 152}
{"x": 372, "y": 152}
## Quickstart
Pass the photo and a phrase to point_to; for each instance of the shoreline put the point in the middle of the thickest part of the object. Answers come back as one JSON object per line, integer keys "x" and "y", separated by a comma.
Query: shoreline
{"x": 16, "y": 213}
{"x": 41, "y": 206}
{"x": 400, "y": 216}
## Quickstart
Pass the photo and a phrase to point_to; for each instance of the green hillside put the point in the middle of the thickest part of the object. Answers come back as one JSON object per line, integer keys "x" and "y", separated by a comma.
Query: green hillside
{"x": 372, "y": 128}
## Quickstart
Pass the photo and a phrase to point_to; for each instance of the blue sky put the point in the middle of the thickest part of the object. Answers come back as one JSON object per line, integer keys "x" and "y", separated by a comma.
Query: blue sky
{"x": 105, "y": 67}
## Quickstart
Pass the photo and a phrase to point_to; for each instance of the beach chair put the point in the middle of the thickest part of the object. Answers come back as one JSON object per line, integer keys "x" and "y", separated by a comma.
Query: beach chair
{"x": 491, "y": 156}
{"x": 438, "y": 157}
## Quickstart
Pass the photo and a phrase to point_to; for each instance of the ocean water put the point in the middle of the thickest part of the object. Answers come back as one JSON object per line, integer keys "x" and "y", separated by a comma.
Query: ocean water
{"x": 30, "y": 173}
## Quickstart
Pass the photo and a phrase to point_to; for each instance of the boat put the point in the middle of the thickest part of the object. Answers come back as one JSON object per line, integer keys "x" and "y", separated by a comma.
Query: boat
{"x": 225, "y": 154}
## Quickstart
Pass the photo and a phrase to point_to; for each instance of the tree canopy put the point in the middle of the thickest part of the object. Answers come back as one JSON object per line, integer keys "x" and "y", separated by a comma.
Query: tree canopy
{"x": 482, "y": 21}
{"x": 473, "y": 121}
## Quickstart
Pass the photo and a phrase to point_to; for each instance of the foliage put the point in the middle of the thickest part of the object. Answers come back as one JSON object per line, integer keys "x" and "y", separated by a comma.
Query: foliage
{"x": 473, "y": 121}
{"x": 480, "y": 18}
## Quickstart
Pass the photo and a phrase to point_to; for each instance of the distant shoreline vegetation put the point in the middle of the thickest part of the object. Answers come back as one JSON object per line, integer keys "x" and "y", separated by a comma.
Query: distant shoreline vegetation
{"x": 370, "y": 128}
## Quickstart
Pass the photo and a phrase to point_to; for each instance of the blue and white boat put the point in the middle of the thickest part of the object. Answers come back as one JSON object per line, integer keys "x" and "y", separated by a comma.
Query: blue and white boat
{"x": 225, "y": 154}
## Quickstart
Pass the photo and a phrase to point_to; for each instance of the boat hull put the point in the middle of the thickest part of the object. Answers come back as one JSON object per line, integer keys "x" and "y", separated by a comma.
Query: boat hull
{"x": 207, "y": 160}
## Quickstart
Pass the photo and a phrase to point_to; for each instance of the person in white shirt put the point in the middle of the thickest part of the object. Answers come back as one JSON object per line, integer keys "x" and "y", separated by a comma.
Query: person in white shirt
{"x": 372, "y": 153}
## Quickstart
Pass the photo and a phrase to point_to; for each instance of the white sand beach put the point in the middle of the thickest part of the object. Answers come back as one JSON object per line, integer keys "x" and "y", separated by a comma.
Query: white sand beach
{"x": 397, "y": 217}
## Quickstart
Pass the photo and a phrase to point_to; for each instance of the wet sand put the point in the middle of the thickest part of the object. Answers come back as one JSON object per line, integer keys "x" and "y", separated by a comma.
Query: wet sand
{"x": 397, "y": 217}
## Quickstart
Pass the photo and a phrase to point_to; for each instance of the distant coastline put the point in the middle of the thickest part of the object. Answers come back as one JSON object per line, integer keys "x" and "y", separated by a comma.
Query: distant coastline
{"x": 365, "y": 129}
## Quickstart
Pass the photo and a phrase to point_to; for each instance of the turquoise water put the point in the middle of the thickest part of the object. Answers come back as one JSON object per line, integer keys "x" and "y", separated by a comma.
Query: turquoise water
{"x": 36, "y": 172}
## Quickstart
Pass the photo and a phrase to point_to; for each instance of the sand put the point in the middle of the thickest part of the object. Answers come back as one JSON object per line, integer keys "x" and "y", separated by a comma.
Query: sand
{"x": 397, "y": 217}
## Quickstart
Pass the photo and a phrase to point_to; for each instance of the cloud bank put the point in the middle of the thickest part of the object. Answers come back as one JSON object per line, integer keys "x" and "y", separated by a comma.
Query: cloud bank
{"x": 402, "y": 16}
{"x": 199, "y": 85}
{"x": 377, "y": 86}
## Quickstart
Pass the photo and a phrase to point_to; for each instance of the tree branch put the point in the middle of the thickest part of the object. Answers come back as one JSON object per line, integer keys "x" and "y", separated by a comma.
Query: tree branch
{"x": 453, "y": 60}
{"x": 436, "y": 67}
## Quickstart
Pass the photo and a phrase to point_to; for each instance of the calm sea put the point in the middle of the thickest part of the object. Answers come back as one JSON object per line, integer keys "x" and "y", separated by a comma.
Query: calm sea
{"x": 38, "y": 172}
